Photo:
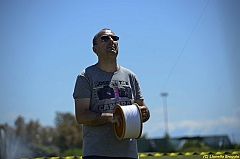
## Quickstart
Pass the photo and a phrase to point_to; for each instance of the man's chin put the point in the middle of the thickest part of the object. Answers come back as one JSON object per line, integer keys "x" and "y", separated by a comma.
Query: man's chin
{"x": 112, "y": 52}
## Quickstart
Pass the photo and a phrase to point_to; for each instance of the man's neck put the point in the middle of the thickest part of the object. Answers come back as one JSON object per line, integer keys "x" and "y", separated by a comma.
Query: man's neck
{"x": 108, "y": 66}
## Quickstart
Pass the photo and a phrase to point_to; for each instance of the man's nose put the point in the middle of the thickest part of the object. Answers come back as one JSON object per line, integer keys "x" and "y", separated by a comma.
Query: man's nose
{"x": 110, "y": 39}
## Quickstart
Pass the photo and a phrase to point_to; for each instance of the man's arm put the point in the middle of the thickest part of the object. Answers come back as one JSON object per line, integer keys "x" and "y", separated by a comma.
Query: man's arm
{"x": 144, "y": 110}
{"x": 88, "y": 117}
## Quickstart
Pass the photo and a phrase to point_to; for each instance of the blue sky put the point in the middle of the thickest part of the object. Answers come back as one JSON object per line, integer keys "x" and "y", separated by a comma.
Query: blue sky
{"x": 188, "y": 48}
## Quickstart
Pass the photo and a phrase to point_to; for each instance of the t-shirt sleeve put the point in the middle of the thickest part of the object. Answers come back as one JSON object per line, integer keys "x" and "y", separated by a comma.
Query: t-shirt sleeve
{"x": 136, "y": 87}
{"x": 138, "y": 91}
{"x": 82, "y": 87}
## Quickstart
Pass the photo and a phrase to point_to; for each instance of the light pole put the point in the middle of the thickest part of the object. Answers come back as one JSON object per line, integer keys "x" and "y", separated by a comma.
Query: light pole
{"x": 164, "y": 95}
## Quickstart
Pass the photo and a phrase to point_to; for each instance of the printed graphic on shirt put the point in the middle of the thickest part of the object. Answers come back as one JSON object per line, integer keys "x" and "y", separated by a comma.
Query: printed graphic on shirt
{"x": 109, "y": 93}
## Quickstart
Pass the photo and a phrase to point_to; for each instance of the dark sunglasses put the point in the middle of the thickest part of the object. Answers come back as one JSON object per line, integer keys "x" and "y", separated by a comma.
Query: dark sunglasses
{"x": 105, "y": 38}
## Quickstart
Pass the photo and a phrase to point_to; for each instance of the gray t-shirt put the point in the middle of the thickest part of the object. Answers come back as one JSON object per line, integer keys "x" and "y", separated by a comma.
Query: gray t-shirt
{"x": 106, "y": 89}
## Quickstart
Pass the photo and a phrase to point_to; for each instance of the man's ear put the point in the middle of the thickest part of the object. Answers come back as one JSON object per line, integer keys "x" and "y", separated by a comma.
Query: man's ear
{"x": 94, "y": 49}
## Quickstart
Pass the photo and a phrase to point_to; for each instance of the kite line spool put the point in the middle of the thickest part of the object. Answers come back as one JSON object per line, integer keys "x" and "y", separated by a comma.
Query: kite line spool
{"x": 131, "y": 126}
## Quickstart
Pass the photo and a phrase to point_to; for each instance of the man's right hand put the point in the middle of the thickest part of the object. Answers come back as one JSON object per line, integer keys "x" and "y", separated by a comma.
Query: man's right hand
{"x": 116, "y": 118}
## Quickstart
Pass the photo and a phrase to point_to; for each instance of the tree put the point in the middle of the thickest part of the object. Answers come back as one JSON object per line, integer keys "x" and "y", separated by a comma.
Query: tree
{"x": 33, "y": 129}
{"x": 34, "y": 140}
{"x": 26, "y": 140}
{"x": 20, "y": 126}
{"x": 48, "y": 136}
{"x": 69, "y": 133}
{"x": 166, "y": 135}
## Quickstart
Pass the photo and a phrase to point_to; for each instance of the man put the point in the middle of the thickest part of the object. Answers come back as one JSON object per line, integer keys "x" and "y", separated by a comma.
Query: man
{"x": 97, "y": 90}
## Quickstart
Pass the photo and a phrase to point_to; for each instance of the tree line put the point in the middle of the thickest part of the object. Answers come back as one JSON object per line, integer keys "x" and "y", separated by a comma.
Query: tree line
{"x": 31, "y": 139}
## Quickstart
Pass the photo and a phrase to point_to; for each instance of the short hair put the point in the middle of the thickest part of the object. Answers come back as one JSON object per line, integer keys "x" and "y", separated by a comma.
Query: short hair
{"x": 94, "y": 41}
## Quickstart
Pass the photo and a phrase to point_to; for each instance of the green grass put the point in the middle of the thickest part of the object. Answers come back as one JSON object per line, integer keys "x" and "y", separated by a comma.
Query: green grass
{"x": 175, "y": 157}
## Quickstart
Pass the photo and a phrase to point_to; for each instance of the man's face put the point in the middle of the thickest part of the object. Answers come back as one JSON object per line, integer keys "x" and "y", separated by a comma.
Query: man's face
{"x": 106, "y": 44}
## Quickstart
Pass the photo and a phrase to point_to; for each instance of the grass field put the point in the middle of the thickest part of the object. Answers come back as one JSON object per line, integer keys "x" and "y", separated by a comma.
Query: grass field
{"x": 175, "y": 157}
{"x": 234, "y": 155}
{"x": 146, "y": 156}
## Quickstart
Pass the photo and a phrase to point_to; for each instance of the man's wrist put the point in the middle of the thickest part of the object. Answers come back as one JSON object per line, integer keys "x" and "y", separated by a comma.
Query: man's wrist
{"x": 107, "y": 116}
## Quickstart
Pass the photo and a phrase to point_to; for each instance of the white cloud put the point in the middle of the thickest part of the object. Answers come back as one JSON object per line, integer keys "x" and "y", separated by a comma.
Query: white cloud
{"x": 220, "y": 125}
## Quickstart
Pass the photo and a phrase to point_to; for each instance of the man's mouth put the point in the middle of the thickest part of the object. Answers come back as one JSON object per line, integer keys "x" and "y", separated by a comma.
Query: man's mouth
{"x": 112, "y": 47}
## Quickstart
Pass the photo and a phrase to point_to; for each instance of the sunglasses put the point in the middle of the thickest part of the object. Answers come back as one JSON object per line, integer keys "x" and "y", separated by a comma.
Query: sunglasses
{"x": 105, "y": 38}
